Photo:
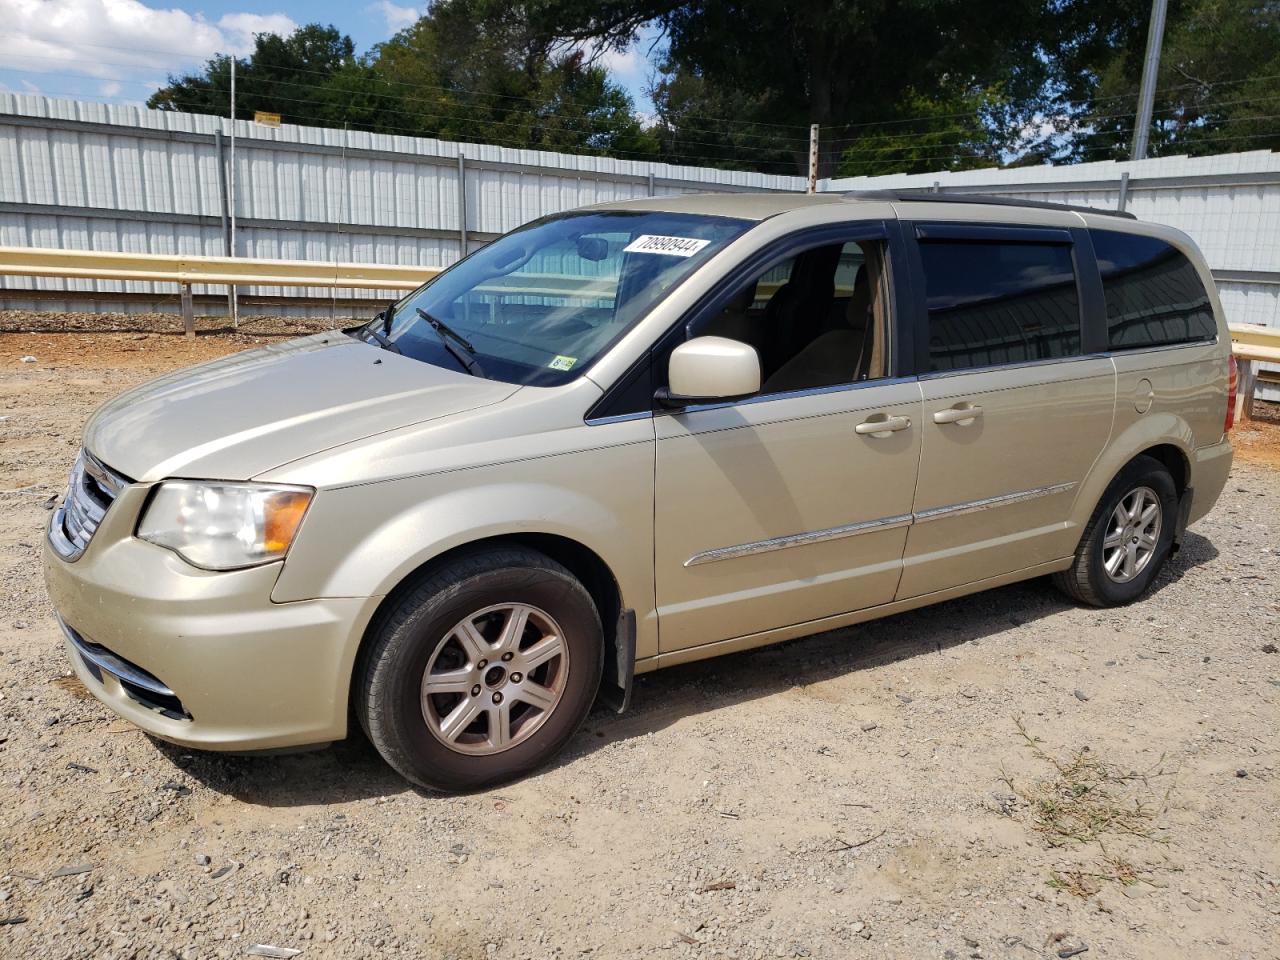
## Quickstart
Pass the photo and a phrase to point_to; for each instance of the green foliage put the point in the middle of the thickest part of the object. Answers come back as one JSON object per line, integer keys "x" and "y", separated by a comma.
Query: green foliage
{"x": 1218, "y": 89}
{"x": 700, "y": 124}
{"x": 957, "y": 134}
{"x": 476, "y": 72}
{"x": 312, "y": 76}
{"x": 909, "y": 86}
{"x": 453, "y": 75}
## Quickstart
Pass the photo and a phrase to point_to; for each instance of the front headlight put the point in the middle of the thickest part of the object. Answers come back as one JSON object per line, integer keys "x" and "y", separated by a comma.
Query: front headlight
{"x": 222, "y": 526}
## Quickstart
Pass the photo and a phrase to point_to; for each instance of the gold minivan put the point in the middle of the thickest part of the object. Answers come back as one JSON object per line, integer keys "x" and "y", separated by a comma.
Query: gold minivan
{"x": 631, "y": 436}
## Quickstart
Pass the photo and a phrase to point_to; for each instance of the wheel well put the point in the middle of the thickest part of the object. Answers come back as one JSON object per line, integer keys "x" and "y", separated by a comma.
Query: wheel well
{"x": 583, "y": 562}
{"x": 1174, "y": 460}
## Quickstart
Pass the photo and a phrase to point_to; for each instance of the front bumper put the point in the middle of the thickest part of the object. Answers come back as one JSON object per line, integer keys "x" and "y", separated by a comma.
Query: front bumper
{"x": 243, "y": 673}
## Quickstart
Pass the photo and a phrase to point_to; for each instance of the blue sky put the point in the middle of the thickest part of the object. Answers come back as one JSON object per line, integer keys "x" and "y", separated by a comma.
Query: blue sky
{"x": 119, "y": 51}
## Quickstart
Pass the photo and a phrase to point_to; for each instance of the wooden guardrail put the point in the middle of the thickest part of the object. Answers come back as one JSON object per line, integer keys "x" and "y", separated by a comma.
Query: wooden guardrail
{"x": 1252, "y": 344}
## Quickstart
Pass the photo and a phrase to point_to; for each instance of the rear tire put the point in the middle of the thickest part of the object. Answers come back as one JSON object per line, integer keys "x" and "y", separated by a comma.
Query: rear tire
{"x": 1128, "y": 538}
{"x": 481, "y": 672}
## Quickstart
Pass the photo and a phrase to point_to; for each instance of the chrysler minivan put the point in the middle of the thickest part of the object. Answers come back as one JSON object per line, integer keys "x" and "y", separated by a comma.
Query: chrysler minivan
{"x": 631, "y": 436}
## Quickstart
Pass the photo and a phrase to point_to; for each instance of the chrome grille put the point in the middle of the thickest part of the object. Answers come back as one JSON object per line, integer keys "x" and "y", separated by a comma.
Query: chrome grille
{"x": 91, "y": 491}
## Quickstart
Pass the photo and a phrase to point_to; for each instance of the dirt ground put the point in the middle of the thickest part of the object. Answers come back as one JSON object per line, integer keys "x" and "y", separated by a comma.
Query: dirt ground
{"x": 1006, "y": 775}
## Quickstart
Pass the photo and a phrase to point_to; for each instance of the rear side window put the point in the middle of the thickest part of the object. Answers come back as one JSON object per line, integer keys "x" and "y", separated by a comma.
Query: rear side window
{"x": 1154, "y": 295}
{"x": 996, "y": 302}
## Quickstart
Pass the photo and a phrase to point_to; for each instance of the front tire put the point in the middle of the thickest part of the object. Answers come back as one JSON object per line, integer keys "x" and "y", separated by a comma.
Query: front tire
{"x": 481, "y": 672}
{"x": 1128, "y": 538}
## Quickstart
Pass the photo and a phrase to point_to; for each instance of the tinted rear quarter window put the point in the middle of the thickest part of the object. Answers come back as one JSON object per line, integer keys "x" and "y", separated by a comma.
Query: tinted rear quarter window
{"x": 997, "y": 302}
{"x": 1154, "y": 295}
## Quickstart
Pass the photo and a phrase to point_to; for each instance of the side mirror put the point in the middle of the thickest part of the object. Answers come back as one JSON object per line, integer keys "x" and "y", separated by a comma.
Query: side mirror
{"x": 709, "y": 369}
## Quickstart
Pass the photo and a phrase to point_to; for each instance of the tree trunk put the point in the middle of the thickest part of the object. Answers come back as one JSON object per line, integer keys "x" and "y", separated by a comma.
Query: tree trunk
{"x": 819, "y": 73}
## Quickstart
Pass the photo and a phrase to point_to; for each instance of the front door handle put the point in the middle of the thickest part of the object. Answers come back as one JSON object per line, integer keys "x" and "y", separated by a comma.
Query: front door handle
{"x": 962, "y": 415}
{"x": 883, "y": 427}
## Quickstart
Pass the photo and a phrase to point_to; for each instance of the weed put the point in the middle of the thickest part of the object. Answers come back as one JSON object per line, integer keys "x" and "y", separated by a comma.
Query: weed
{"x": 1086, "y": 801}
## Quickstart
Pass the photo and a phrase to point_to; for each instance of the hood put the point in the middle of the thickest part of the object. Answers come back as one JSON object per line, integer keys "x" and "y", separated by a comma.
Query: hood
{"x": 237, "y": 417}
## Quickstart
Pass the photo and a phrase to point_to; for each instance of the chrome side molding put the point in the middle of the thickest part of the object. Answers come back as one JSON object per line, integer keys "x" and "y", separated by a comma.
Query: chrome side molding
{"x": 870, "y": 526}
{"x": 798, "y": 539}
{"x": 973, "y": 506}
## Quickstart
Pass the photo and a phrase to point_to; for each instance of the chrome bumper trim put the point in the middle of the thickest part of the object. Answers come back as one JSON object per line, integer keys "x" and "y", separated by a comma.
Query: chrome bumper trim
{"x": 107, "y": 662}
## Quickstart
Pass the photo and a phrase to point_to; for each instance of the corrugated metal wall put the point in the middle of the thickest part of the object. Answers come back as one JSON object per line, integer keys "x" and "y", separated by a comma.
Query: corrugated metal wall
{"x": 107, "y": 177}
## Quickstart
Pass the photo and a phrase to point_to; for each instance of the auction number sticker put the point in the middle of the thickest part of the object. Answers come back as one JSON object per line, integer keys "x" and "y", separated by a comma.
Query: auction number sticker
{"x": 562, "y": 363}
{"x": 667, "y": 246}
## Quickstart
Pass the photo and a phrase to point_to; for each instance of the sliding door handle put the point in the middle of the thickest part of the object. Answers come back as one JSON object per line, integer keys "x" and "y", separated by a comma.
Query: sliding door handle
{"x": 961, "y": 414}
{"x": 882, "y": 427}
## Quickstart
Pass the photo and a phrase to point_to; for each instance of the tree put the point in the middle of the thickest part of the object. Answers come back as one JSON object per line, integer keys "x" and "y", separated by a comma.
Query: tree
{"x": 469, "y": 73}
{"x": 1217, "y": 91}
{"x": 857, "y": 68}
{"x": 702, "y": 125}
{"x": 312, "y": 76}
{"x": 449, "y": 76}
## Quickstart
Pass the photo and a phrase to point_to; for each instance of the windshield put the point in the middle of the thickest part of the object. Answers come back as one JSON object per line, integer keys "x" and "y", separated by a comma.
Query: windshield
{"x": 539, "y": 305}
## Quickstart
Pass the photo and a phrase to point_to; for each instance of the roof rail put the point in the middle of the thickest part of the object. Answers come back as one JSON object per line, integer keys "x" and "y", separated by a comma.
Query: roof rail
{"x": 928, "y": 196}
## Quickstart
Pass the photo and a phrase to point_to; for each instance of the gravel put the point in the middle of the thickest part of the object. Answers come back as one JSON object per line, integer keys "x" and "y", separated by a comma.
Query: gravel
{"x": 738, "y": 810}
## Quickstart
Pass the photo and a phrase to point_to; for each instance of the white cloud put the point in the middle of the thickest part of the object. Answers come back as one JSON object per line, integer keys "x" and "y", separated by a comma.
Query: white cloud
{"x": 110, "y": 88}
{"x": 121, "y": 39}
{"x": 396, "y": 17}
{"x": 627, "y": 66}
{"x": 239, "y": 28}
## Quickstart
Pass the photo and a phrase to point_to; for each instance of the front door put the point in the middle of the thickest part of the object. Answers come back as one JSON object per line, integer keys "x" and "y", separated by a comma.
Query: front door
{"x": 1015, "y": 411}
{"x": 794, "y": 505}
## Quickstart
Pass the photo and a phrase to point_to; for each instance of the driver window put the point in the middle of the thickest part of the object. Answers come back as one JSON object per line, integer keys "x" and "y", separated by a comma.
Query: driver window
{"x": 818, "y": 319}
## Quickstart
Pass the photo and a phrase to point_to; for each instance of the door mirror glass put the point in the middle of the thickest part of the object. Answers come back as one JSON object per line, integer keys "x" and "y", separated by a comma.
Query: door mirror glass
{"x": 707, "y": 369}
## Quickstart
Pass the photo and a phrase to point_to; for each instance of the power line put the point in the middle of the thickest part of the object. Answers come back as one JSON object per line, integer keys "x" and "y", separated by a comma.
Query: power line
{"x": 898, "y": 141}
{"x": 996, "y": 163}
{"x": 600, "y": 125}
{"x": 744, "y": 123}
{"x": 742, "y": 154}
{"x": 1074, "y": 136}
{"x": 1121, "y": 96}
{"x": 388, "y": 82}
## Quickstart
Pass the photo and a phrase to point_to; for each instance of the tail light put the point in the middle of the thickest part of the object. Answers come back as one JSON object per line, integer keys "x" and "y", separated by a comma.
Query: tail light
{"x": 1233, "y": 382}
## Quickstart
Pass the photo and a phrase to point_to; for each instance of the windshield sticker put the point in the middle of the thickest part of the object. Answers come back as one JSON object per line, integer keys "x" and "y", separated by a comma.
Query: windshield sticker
{"x": 563, "y": 363}
{"x": 668, "y": 246}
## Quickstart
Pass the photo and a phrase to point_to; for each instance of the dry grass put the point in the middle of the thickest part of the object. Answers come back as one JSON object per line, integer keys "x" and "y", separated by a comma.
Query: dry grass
{"x": 1085, "y": 802}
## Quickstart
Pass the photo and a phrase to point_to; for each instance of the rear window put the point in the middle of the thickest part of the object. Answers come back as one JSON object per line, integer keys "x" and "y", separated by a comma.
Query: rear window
{"x": 1154, "y": 295}
{"x": 992, "y": 303}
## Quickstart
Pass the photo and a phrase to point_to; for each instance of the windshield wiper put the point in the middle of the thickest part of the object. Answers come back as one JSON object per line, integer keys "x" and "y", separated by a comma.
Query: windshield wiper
{"x": 448, "y": 336}
{"x": 381, "y": 339}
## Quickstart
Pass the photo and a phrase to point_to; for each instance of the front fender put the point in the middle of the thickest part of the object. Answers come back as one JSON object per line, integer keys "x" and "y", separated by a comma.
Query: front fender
{"x": 362, "y": 541}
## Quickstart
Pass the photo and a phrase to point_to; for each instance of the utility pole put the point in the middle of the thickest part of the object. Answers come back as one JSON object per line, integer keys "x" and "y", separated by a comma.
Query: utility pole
{"x": 232, "y": 292}
{"x": 813, "y": 158}
{"x": 1150, "y": 67}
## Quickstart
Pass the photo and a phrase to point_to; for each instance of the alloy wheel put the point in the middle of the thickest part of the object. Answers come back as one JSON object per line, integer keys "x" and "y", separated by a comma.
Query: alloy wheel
{"x": 1133, "y": 532}
{"x": 495, "y": 678}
